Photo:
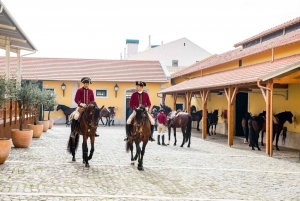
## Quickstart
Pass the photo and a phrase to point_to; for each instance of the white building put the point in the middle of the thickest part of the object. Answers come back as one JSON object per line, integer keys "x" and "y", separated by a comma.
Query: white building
{"x": 174, "y": 55}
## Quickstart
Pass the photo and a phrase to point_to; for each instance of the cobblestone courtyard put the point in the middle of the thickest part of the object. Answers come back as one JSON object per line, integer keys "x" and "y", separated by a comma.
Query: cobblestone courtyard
{"x": 209, "y": 170}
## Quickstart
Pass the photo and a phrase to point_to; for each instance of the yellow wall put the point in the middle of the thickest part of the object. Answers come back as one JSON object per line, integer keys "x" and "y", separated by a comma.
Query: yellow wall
{"x": 257, "y": 58}
{"x": 287, "y": 50}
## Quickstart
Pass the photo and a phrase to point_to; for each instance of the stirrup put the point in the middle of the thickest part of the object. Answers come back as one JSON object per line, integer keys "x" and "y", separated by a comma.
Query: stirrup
{"x": 126, "y": 139}
{"x": 151, "y": 139}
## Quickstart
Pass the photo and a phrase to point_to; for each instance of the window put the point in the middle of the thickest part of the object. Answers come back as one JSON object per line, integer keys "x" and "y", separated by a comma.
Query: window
{"x": 101, "y": 93}
{"x": 175, "y": 63}
{"x": 52, "y": 93}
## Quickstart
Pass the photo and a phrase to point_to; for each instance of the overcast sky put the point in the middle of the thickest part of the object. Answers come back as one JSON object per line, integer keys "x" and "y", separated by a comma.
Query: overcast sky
{"x": 99, "y": 28}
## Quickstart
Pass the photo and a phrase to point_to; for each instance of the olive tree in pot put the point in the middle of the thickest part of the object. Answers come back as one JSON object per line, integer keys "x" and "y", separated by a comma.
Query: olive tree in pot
{"x": 21, "y": 137}
{"x": 33, "y": 106}
{"x": 7, "y": 89}
{"x": 49, "y": 106}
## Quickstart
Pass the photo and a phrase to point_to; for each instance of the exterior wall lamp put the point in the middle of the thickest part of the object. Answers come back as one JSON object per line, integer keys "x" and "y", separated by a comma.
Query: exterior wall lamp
{"x": 116, "y": 90}
{"x": 63, "y": 87}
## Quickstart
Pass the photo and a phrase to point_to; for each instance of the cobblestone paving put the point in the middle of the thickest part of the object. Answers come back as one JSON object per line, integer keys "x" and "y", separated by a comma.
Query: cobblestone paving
{"x": 209, "y": 170}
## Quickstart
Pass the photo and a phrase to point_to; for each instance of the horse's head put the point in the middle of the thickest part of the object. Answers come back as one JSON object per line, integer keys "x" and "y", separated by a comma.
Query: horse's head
{"x": 58, "y": 107}
{"x": 263, "y": 114}
{"x": 92, "y": 115}
{"x": 193, "y": 109}
{"x": 111, "y": 110}
{"x": 289, "y": 116}
{"x": 140, "y": 119}
{"x": 216, "y": 112}
{"x": 167, "y": 109}
{"x": 248, "y": 115}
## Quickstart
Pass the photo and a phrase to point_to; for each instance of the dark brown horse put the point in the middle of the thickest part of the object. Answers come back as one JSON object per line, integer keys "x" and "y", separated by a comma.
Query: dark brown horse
{"x": 141, "y": 130}
{"x": 179, "y": 120}
{"x": 212, "y": 122}
{"x": 67, "y": 111}
{"x": 244, "y": 123}
{"x": 108, "y": 113}
{"x": 257, "y": 124}
{"x": 88, "y": 123}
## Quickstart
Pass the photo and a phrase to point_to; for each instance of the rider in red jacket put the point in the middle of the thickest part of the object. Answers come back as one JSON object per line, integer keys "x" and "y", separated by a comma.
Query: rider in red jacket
{"x": 137, "y": 98}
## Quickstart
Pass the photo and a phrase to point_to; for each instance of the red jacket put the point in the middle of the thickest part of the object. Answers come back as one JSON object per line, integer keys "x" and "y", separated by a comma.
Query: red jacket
{"x": 134, "y": 100}
{"x": 84, "y": 96}
{"x": 162, "y": 118}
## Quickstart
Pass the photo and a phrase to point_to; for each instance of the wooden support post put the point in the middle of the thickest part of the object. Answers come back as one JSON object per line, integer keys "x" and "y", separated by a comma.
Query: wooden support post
{"x": 230, "y": 95}
{"x": 174, "y": 100}
{"x": 204, "y": 95}
{"x": 188, "y": 99}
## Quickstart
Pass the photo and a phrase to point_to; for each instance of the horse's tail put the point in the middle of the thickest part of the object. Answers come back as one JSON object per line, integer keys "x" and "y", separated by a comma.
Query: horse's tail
{"x": 128, "y": 144}
{"x": 251, "y": 130}
{"x": 188, "y": 129}
{"x": 69, "y": 148}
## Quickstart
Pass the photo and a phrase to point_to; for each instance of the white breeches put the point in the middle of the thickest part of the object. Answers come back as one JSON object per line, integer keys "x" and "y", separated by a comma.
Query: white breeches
{"x": 133, "y": 115}
{"x": 161, "y": 129}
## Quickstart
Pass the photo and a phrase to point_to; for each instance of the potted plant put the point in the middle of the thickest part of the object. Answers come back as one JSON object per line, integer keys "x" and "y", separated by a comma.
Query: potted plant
{"x": 36, "y": 101}
{"x": 21, "y": 137}
{"x": 7, "y": 88}
{"x": 49, "y": 106}
{"x": 47, "y": 100}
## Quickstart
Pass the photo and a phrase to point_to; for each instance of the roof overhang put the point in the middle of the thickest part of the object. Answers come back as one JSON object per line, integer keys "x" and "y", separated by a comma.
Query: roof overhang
{"x": 280, "y": 72}
{"x": 11, "y": 32}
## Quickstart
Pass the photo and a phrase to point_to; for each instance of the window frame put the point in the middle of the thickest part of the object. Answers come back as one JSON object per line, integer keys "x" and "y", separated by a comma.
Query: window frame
{"x": 102, "y": 89}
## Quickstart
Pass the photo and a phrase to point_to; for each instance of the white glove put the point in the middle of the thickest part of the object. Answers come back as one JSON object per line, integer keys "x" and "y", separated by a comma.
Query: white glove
{"x": 82, "y": 104}
{"x": 147, "y": 109}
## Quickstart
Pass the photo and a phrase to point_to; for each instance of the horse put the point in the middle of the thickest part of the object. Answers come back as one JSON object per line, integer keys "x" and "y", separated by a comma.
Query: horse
{"x": 88, "y": 123}
{"x": 154, "y": 112}
{"x": 212, "y": 120}
{"x": 67, "y": 111}
{"x": 179, "y": 120}
{"x": 141, "y": 131}
{"x": 108, "y": 114}
{"x": 281, "y": 118}
{"x": 257, "y": 124}
{"x": 244, "y": 123}
{"x": 196, "y": 116}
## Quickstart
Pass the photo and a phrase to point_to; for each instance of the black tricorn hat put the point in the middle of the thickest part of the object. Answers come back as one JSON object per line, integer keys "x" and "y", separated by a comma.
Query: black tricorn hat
{"x": 140, "y": 83}
{"x": 86, "y": 80}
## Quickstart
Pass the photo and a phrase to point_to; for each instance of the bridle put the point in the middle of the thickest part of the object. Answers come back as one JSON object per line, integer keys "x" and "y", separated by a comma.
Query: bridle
{"x": 88, "y": 116}
{"x": 139, "y": 126}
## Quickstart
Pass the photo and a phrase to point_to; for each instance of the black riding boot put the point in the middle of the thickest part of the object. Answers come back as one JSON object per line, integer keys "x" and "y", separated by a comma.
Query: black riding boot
{"x": 96, "y": 135}
{"x": 128, "y": 129}
{"x": 151, "y": 137}
{"x": 158, "y": 139}
{"x": 163, "y": 140}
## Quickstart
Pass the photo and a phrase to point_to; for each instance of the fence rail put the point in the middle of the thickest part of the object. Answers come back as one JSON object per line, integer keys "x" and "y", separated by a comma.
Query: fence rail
{"x": 9, "y": 119}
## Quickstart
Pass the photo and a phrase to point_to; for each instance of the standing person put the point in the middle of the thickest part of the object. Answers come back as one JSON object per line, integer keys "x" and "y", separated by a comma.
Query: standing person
{"x": 154, "y": 115}
{"x": 138, "y": 98}
{"x": 162, "y": 121}
{"x": 83, "y": 97}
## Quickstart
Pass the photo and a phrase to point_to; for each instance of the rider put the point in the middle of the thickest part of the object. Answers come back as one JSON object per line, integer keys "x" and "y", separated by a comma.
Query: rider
{"x": 162, "y": 121}
{"x": 137, "y": 98}
{"x": 83, "y": 97}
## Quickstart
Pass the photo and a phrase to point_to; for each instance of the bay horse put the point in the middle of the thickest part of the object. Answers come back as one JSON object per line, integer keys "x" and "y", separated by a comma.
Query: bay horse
{"x": 67, "y": 111}
{"x": 141, "y": 131}
{"x": 212, "y": 121}
{"x": 257, "y": 124}
{"x": 244, "y": 123}
{"x": 196, "y": 116}
{"x": 108, "y": 114}
{"x": 179, "y": 120}
{"x": 88, "y": 123}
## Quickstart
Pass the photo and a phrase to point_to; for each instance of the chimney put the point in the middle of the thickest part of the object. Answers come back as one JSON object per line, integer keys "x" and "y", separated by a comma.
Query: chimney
{"x": 132, "y": 47}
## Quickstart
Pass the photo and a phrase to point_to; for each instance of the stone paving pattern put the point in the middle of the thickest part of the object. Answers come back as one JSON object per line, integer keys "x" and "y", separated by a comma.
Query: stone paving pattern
{"x": 209, "y": 170}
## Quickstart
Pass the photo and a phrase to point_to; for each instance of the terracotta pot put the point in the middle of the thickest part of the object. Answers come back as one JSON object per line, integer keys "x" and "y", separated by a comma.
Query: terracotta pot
{"x": 37, "y": 130}
{"x": 45, "y": 123}
{"x": 51, "y": 122}
{"x": 21, "y": 139}
{"x": 5, "y": 147}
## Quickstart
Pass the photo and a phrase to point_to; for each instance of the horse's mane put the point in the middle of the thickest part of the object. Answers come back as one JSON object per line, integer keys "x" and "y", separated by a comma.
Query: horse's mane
{"x": 139, "y": 114}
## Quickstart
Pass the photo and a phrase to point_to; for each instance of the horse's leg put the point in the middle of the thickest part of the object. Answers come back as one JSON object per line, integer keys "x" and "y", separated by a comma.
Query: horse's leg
{"x": 277, "y": 138}
{"x": 101, "y": 120}
{"x": 142, "y": 156}
{"x": 138, "y": 152}
{"x": 131, "y": 150}
{"x": 108, "y": 120}
{"x": 256, "y": 140}
{"x": 183, "y": 136}
{"x": 174, "y": 129}
{"x": 169, "y": 133}
{"x": 92, "y": 138}
{"x": 262, "y": 138}
{"x": 215, "y": 131}
{"x": 85, "y": 151}
{"x": 198, "y": 123}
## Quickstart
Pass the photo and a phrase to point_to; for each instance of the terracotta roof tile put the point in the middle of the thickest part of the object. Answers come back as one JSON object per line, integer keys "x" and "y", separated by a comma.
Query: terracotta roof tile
{"x": 242, "y": 75}
{"x": 96, "y": 69}
{"x": 239, "y": 53}
{"x": 281, "y": 26}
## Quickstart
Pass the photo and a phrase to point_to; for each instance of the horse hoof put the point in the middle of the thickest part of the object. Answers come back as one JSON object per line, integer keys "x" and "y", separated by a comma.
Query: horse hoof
{"x": 188, "y": 146}
{"x": 258, "y": 149}
{"x": 181, "y": 145}
{"x": 253, "y": 149}
{"x": 140, "y": 168}
{"x": 83, "y": 161}
{"x": 132, "y": 163}
{"x": 87, "y": 165}
{"x": 73, "y": 159}
{"x": 277, "y": 149}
